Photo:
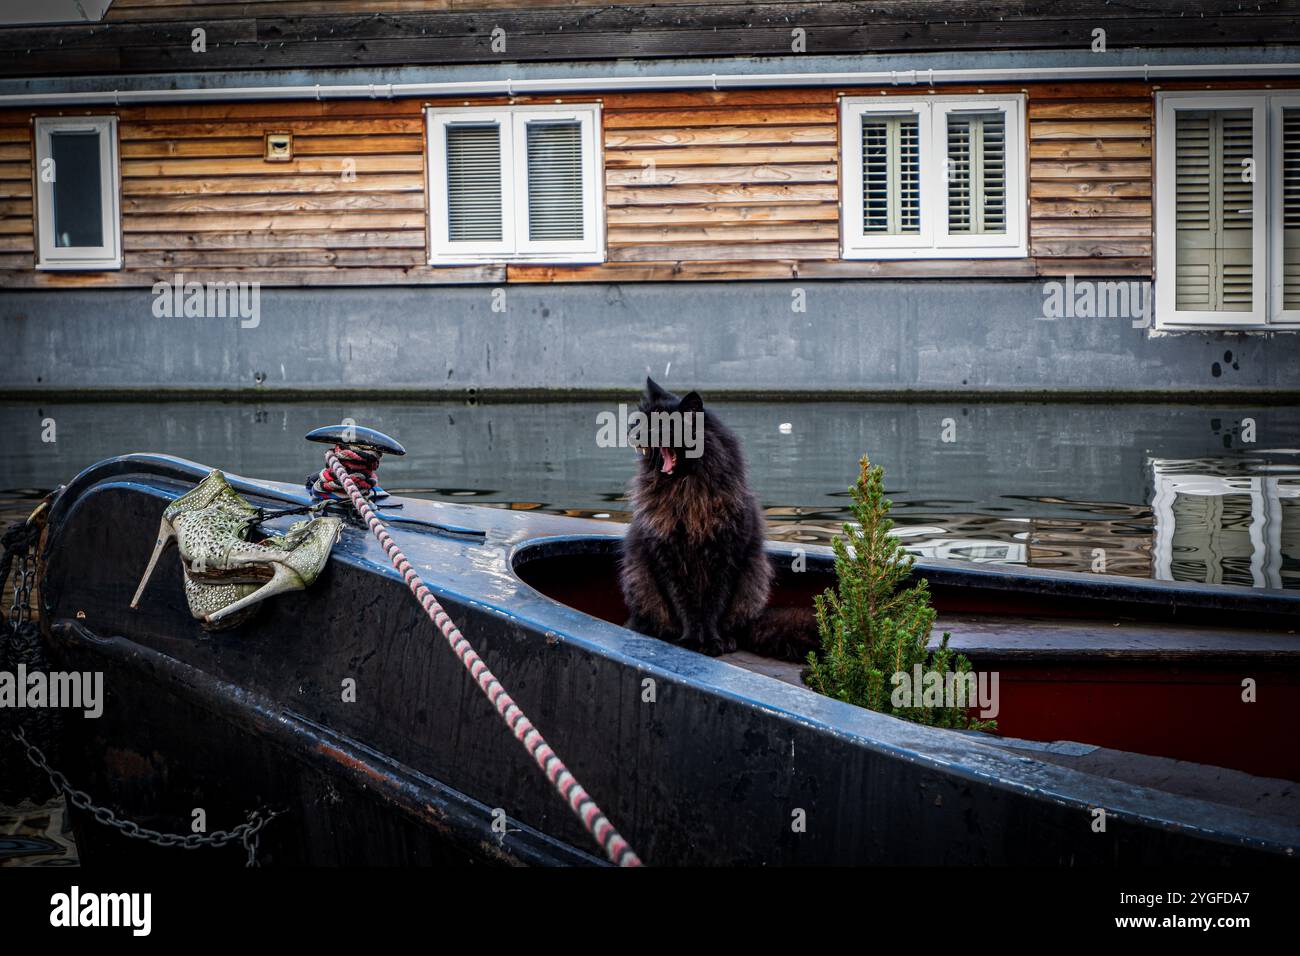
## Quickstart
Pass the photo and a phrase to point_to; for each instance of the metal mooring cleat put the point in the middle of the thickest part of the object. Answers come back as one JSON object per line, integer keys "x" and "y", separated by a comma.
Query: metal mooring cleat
{"x": 356, "y": 436}
{"x": 359, "y": 449}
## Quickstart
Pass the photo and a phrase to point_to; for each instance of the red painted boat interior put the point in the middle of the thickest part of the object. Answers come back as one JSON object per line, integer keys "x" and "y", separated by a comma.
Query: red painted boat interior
{"x": 1070, "y": 671}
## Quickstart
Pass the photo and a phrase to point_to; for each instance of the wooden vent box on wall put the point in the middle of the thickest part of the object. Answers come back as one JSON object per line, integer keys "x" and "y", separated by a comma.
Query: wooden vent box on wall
{"x": 279, "y": 146}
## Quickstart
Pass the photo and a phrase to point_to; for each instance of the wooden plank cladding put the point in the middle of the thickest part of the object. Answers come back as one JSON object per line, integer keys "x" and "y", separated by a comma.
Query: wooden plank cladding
{"x": 1090, "y": 178}
{"x": 694, "y": 176}
{"x": 352, "y": 197}
{"x": 154, "y": 35}
{"x": 697, "y": 185}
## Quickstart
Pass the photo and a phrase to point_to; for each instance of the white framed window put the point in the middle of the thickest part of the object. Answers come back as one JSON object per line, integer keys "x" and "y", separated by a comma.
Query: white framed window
{"x": 1211, "y": 221}
{"x": 933, "y": 177}
{"x": 518, "y": 183}
{"x": 1227, "y": 210}
{"x": 78, "y": 222}
{"x": 1284, "y": 237}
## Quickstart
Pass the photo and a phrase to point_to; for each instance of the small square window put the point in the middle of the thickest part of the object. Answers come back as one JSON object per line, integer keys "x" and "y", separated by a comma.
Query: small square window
{"x": 77, "y": 210}
{"x": 515, "y": 183}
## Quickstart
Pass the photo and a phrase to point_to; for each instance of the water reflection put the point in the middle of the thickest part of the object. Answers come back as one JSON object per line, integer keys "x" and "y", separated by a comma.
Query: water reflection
{"x": 37, "y": 835}
{"x": 1221, "y": 527}
{"x": 1172, "y": 492}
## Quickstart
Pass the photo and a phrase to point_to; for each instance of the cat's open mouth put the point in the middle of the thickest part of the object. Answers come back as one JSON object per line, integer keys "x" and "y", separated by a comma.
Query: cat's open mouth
{"x": 667, "y": 457}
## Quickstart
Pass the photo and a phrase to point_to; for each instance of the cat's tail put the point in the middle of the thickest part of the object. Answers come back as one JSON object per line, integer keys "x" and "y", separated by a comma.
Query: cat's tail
{"x": 787, "y": 633}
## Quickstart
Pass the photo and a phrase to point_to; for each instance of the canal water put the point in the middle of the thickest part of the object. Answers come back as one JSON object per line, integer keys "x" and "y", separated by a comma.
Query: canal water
{"x": 1175, "y": 492}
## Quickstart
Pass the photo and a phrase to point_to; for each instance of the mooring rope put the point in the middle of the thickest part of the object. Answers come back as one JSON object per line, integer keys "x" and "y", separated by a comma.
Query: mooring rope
{"x": 572, "y": 792}
{"x": 360, "y": 464}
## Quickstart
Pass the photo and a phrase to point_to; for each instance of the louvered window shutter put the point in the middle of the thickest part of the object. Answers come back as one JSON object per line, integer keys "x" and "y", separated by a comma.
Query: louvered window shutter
{"x": 1214, "y": 214}
{"x": 1291, "y": 209}
{"x": 474, "y": 183}
{"x": 977, "y": 174}
{"x": 977, "y": 181}
{"x": 555, "y": 192}
{"x": 891, "y": 175}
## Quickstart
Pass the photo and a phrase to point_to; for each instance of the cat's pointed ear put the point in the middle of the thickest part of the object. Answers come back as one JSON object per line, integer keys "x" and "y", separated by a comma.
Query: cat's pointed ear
{"x": 691, "y": 402}
{"x": 653, "y": 391}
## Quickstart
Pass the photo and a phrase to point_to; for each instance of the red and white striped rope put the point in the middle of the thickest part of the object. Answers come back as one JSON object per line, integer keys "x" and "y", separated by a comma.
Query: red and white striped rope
{"x": 572, "y": 792}
{"x": 360, "y": 463}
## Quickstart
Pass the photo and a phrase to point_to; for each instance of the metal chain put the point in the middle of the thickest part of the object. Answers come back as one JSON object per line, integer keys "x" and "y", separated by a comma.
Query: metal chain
{"x": 24, "y": 579}
{"x": 20, "y": 544}
{"x": 246, "y": 833}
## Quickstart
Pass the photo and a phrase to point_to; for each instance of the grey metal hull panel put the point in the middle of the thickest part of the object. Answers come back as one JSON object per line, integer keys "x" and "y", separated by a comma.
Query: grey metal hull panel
{"x": 867, "y": 336}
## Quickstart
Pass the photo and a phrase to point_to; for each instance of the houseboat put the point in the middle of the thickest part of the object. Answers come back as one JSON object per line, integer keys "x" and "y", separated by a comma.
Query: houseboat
{"x": 913, "y": 198}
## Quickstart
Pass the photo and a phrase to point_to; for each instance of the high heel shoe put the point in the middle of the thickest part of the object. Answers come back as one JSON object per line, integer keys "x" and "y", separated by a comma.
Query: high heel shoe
{"x": 296, "y": 560}
{"x": 204, "y": 599}
{"x": 225, "y": 575}
{"x": 212, "y": 490}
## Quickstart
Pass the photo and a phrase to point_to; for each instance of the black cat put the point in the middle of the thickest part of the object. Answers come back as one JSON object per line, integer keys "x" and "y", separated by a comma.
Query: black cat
{"x": 693, "y": 567}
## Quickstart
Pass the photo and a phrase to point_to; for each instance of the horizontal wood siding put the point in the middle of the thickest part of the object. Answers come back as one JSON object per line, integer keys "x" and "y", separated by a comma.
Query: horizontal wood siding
{"x": 706, "y": 177}
{"x": 193, "y": 9}
{"x": 746, "y": 185}
{"x": 198, "y": 197}
{"x": 17, "y": 249}
{"x": 698, "y": 185}
{"x": 1090, "y": 179}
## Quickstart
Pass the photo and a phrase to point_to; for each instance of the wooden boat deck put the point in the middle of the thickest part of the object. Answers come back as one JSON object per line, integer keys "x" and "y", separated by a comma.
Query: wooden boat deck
{"x": 1015, "y": 638}
{"x": 1042, "y": 637}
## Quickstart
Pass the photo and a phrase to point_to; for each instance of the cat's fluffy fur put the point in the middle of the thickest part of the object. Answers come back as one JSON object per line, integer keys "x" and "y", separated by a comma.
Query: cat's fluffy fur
{"x": 693, "y": 569}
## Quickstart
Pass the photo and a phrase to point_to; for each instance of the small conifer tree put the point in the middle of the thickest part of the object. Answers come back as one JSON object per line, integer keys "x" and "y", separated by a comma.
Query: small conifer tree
{"x": 871, "y": 626}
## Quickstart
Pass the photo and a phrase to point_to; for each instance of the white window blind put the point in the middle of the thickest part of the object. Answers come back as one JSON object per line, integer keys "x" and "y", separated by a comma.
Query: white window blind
{"x": 474, "y": 183}
{"x": 1214, "y": 210}
{"x": 1290, "y": 199}
{"x": 1212, "y": 174}
{"x": 555, "y": 193}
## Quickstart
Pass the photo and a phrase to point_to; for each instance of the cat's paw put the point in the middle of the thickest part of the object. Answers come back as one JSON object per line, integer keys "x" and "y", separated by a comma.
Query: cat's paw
{"x": 715, "y": 644}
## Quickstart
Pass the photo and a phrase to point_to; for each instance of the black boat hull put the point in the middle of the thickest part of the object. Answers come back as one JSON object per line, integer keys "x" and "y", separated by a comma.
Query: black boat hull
{"x": 695, "y": 760}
